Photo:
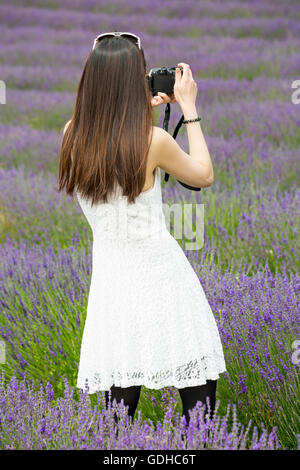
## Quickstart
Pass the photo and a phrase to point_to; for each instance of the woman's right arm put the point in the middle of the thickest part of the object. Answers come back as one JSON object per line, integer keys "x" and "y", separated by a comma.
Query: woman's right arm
{"x": 195, "y": 168}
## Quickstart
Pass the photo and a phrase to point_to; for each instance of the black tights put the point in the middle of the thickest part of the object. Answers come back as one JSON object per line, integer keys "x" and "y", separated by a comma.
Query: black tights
{"x": 189, "y": 397}
{"x": 130, "y": 395}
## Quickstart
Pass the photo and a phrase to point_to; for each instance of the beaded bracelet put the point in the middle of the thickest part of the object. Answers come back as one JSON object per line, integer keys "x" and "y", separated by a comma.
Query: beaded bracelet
{"x": 191, "y": 120}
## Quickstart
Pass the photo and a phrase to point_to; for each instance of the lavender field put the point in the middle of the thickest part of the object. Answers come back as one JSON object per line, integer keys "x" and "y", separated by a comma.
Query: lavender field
{"x": 244, "y": 56}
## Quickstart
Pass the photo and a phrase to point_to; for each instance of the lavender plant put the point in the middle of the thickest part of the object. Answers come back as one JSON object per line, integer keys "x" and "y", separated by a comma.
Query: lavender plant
{"x": 36, "y": 419}
{"x": 244, "y": 56}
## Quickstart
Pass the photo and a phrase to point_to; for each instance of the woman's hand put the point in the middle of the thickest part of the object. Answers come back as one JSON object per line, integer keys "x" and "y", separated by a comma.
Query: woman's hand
{"x": 185, "y": 87}
{"x": 162, "y": 98}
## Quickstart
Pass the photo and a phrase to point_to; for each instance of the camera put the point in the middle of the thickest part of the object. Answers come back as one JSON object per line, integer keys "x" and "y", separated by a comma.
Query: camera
{"x": 162, "y": 79}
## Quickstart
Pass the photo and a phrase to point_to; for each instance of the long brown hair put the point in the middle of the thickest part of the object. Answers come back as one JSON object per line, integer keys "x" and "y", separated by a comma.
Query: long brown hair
{"x": 111, "y": 124}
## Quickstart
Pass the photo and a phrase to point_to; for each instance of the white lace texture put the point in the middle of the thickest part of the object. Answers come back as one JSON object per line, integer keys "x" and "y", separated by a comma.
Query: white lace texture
{"x": 148, "y": 320}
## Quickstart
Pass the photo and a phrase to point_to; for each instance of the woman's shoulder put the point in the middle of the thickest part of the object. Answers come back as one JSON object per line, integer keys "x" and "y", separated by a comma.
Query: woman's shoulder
{"x": 158, "y": 132}
{"x": 156, "y": 145}
{"x": 157, "y": 135}
{"x": 153, "y": 149}
{"x": 66, "y": 126}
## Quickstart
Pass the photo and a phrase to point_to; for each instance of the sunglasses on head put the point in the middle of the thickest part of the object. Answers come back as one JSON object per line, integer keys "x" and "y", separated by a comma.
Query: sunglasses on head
{"x": 129, "y": 36}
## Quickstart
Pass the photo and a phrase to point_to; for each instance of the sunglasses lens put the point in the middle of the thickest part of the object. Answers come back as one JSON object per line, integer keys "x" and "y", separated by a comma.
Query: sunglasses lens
{"x": 104, "y": 36}
{"x": 130, "y": 37}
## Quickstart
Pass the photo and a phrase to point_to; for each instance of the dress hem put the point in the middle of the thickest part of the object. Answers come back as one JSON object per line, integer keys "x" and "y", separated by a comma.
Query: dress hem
{"x": 194, "y": 382}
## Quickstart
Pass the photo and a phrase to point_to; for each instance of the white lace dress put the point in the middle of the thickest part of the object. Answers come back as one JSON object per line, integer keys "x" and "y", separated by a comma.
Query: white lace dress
{"x": 148, "y": 320}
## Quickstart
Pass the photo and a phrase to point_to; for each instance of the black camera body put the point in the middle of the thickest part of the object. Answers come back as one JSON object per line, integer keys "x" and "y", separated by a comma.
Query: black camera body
{"x": 162, "y": 79}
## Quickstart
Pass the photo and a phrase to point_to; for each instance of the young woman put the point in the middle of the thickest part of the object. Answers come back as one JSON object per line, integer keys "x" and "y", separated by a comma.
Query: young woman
{"x": 148, "y": 320}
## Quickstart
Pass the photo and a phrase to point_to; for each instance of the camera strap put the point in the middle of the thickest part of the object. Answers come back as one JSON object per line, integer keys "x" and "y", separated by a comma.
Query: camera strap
{"x": 178, "y": 125}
